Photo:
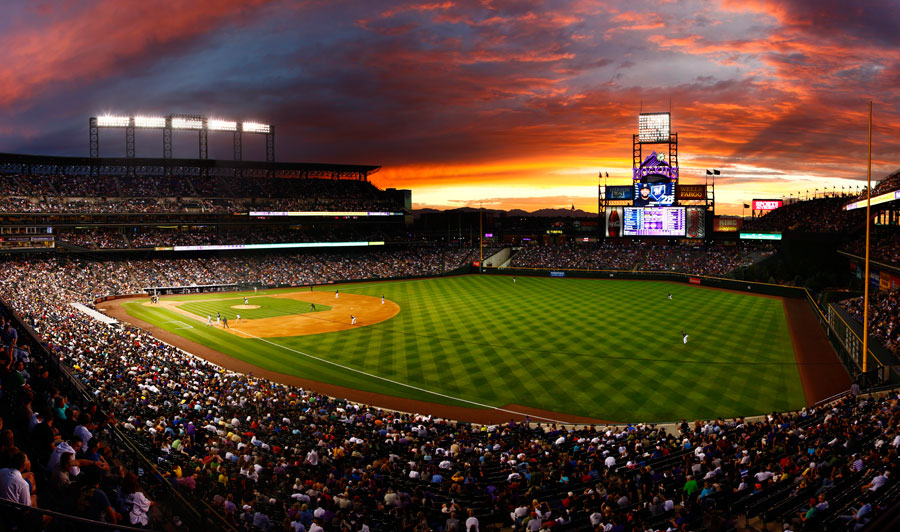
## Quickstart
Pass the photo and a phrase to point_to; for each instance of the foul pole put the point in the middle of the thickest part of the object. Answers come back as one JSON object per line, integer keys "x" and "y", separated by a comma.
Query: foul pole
{"x": 865, "y": 353}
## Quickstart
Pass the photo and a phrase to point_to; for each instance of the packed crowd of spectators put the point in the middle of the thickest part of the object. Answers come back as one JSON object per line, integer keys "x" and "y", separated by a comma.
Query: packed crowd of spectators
{"x": 703, "y": 260}
{"x": 884, "y": 245}
{"x": 54, "y": 448}
{"x": 822, "y": 215}
{"x": 133, "y": 275}
{"x": 886, "y": 184}
{"x": 884, "y": 316}
{"x": 276, "y": 457}
{"x": 94, "y": 238}
{"x": 164, "y": 194}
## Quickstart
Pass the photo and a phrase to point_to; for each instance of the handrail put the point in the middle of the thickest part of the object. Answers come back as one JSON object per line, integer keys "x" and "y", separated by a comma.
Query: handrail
{"x": 79, "y": 386}
{"x": 69, "y": 517}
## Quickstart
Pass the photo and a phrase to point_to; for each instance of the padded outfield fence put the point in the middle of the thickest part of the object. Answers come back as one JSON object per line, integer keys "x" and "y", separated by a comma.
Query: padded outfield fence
{"x": 844, "y": 333}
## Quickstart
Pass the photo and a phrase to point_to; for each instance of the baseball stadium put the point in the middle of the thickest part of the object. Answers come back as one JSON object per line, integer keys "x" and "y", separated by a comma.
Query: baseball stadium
{"x": 223, "y": 339}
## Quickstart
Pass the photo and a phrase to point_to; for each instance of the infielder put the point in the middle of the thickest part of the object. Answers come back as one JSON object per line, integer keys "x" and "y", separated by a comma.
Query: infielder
{"x": 245, "y": 301}
{"x": 352, "y": 319}
{"x": 238, "y": 318}
{"x": 209, "y": 320}
{"x": 335, "y": 294}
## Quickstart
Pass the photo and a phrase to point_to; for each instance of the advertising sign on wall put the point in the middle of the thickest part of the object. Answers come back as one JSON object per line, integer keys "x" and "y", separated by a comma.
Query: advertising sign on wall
{"x": 690, "y": 192}
{"x": 620, "y": 192}
{"x": 614, "y": 221}
{"x": 695, "y": 222}
{"x": 727, "y": 225}
{"x": 767, "y": 204}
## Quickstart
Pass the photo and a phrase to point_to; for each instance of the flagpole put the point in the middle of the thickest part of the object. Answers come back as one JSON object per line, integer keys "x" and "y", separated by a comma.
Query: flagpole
{"x": 865, "y": 352}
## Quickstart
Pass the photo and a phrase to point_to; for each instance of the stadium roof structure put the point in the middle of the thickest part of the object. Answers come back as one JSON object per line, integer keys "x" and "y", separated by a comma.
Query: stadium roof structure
{"x": 29, "y": 164}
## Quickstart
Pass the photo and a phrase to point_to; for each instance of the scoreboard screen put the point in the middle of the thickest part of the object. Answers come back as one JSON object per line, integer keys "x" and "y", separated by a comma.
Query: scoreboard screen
{"x": 653, "y": 221}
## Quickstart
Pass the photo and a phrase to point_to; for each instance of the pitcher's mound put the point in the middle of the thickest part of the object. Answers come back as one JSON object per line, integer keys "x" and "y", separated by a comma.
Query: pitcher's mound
{"x": 245, "y": 307}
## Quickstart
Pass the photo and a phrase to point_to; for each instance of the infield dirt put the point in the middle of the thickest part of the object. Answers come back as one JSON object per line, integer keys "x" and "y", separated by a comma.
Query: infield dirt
{"x": 368, "y": 310}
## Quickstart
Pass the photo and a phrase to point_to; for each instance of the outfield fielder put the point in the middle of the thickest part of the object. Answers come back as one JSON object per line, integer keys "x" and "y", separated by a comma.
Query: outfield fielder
{"x": 684, "y": 335}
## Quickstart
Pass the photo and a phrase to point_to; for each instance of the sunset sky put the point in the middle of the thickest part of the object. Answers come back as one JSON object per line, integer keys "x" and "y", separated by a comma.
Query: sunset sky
{"x": 507, "y": 104}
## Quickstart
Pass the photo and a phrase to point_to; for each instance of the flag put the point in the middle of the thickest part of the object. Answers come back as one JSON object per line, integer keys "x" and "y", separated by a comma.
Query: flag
{"x": 607, "y": 174}
{"x": 708, "y": 172}
{"x": 746, "y": 206}
{"x": 717, "y": 172}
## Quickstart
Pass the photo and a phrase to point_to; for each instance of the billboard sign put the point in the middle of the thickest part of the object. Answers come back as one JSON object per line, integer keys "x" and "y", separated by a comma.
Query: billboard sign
{"x": 727, "y": 225}
{"x": 881, "y": 198}
{"x": 653, "y": 221}
{"x": 690, "y": 192}
{"x": 767, "y": 204}
{"x": 286, "y": 245}
{"x": 760, "y": 236}
{"x": 323, "y": 213}
{"x": 654, "y": 194}
{"x": 614, "y": 221}
{"x": 695, "y": 222}
{"x": 620, "y": 192}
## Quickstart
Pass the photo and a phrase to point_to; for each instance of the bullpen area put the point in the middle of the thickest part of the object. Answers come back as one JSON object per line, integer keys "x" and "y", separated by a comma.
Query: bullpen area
{"x": 485, "y": 348}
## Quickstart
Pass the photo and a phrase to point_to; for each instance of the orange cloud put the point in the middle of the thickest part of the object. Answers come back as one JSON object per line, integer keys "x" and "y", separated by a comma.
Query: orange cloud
{"x": 92, "y": 42}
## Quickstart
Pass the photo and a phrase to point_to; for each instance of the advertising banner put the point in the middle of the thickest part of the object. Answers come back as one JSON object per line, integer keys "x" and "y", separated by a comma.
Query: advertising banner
{"x": 695, "y": 222}
{"x": 727, "y": 225}
{"x": 767, "y": 204}
{"x": 690, "y": 192}
{"x": 695, "y": 280}
{"x": 760, "y": 236}
{"x": 620, "y": 192}
{"x": 614, "y": 221}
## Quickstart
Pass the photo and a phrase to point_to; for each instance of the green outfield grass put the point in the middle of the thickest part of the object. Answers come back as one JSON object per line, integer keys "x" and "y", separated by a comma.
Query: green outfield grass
{"x": 607, "y": 349}
{"x": 269, "y": 307}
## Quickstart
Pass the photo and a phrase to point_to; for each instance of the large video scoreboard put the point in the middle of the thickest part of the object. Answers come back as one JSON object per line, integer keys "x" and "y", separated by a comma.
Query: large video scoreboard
{"x": 653, "y": 221}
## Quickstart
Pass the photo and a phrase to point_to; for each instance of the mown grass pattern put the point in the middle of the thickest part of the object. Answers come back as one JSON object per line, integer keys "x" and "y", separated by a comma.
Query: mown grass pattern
{"x": 607, "y": 349}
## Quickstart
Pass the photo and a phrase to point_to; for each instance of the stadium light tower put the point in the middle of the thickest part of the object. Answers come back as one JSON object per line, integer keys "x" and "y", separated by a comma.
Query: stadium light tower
{"x": 201, "y": 124}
